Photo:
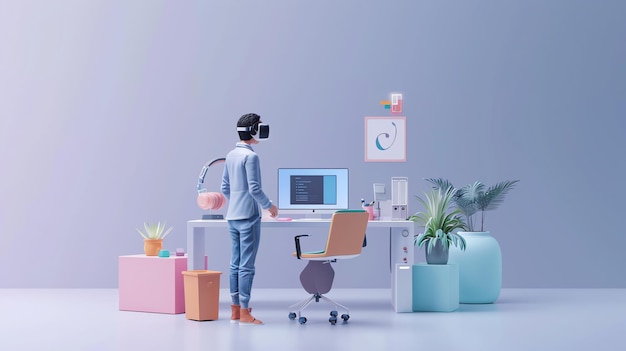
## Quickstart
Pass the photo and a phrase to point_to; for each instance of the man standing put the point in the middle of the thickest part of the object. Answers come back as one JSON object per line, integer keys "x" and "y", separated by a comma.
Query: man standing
{"x": 241, "y": 185}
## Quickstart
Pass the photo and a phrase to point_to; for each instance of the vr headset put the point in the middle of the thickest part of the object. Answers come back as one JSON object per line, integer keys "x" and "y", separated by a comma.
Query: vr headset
{"x": 258, "y": 131}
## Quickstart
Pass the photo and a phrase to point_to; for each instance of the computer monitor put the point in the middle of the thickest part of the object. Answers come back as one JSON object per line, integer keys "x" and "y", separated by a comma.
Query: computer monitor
{"x": 312, "y": 192}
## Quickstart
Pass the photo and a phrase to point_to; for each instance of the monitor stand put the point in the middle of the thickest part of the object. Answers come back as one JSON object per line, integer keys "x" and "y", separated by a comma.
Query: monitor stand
{"x": 314, "y": 217}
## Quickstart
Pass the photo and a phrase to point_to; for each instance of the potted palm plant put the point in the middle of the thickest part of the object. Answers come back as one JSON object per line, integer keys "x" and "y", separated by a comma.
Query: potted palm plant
{"x": 153, "y": 235}
{"x": 480, "y": 267}
{"x": 439, "y": 225}
{"x": 473, "y": 198}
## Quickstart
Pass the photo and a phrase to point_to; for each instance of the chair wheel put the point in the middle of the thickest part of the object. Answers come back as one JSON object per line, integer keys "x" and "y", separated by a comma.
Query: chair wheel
{"x": 345, "y": 317}
{"x": 334, "y": 313}
{"x": 302, "y": 320}
{"x": 292, "y": 315}
{"x": 332, "y": 320}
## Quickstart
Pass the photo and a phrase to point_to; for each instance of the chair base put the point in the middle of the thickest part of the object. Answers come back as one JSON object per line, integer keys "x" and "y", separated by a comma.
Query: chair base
{"x": 297, "y": 308}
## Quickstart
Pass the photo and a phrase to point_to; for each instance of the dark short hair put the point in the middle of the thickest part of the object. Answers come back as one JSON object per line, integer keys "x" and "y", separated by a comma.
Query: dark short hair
{"x": 247, "y": 120}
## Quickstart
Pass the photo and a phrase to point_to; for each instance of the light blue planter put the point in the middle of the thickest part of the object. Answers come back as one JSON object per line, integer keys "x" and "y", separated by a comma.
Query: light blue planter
{"x": 480, "y": 268}
{"x": 435, "y": 287}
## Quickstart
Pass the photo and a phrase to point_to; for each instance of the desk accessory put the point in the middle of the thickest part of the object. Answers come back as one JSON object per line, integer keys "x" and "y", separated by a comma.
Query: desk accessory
{"x": 369, "y": 208}
{"x": 210, "y": 200}
{"x": 399, "y": 198}
{"x": 380, "y": 195}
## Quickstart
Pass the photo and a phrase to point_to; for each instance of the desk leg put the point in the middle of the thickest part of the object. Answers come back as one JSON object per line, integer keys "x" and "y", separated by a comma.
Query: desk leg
{"x": 195, "y": 248}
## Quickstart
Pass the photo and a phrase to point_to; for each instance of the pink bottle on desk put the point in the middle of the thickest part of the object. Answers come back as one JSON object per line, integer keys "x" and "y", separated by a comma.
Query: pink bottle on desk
{"x": 370, "y": 211}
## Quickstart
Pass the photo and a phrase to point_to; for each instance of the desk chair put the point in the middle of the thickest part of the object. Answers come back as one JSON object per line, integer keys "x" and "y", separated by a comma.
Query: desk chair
{"x": 346, "y": 239}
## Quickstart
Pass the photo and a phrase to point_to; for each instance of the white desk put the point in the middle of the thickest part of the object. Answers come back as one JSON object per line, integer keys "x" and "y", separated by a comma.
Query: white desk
{"x": 400, "y": 233}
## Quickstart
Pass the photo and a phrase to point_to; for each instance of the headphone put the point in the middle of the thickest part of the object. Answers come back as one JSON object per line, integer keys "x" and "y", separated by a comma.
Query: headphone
{"x": 209, "y": 200}
{"x": 258, "y": 131}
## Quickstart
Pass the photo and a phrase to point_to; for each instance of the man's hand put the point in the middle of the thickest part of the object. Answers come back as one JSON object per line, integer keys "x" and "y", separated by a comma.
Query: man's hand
{"x": 273, "y": 211}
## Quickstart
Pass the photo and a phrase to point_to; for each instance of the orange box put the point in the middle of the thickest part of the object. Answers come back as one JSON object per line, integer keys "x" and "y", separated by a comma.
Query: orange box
{"x": 202, "y": 294}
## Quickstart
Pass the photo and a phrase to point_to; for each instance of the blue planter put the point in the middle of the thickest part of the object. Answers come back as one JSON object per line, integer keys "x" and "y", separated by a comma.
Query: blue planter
{"x": 437, "y": 255}
{"x": 480, "y": 268}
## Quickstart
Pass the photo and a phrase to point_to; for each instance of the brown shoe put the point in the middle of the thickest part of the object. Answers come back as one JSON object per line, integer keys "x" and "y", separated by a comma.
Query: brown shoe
{"x": 234, "y": 313}
{"x": 247, "y": 318}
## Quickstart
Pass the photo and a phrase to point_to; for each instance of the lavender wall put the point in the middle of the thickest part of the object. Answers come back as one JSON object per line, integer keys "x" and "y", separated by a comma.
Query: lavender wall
{"x": 108, "y": 110}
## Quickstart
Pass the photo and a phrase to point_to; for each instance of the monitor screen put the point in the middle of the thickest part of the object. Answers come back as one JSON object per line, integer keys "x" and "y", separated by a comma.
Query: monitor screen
{"x": 312, "y": 190}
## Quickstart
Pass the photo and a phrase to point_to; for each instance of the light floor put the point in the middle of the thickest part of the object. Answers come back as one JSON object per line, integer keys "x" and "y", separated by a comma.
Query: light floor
{"x": 522, "y": 319}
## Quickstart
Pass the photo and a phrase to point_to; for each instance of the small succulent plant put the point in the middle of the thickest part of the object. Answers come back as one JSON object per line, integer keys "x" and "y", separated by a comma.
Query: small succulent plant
{"x": 154, "y": 231}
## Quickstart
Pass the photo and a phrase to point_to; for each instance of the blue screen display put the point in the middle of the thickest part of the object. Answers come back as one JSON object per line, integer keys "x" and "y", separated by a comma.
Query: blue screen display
{"x": 313, "y": 188}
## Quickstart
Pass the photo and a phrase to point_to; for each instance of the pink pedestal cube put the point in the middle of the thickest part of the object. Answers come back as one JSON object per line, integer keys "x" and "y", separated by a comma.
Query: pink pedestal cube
{"x": 152, "y": 283}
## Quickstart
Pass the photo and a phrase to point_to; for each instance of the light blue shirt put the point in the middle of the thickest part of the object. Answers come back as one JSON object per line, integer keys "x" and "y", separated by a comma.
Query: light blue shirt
{"x": 241, "y": 184}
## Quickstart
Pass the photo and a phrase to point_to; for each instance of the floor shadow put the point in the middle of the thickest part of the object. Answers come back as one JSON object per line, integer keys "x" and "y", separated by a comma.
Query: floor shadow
{"x": 474, "y": 307}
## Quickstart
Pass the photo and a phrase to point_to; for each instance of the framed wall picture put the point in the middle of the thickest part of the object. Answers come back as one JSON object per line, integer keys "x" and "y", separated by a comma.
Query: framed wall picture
{"x": 385, "y": 139}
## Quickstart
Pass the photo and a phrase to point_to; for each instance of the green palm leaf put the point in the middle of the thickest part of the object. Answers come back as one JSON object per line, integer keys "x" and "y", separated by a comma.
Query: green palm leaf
{"x": 440, "y": 183}
{"x": 494, "y": 196}
{"x": 472, "y": 192}
{"x": 468, "y": 201}
{"x": 468, "y": 195}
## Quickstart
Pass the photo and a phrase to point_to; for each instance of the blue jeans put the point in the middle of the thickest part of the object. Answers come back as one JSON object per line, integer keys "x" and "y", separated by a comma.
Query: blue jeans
{"x": 245, "y": 235}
